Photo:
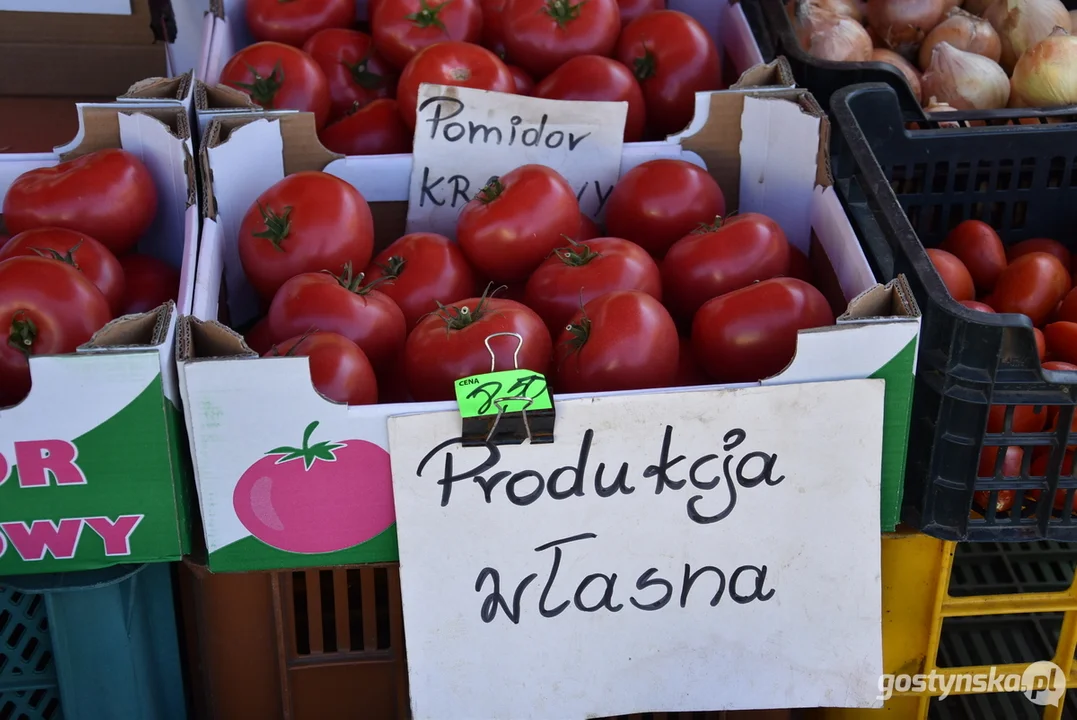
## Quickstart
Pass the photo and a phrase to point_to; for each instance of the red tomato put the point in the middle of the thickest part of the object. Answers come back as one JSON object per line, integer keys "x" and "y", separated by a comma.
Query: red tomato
{"x": 451, "y": 63}
{"x": 1032, "y": 285}
{"x": 524, "y": 84}
{"x": 799, "y": 266}
{"x": 1051, "y": 247}
{"x": 618, "y": 341}
{"x": 307, "y": 222}
{"x": 279, "y": 77}
{"x": 355, "y": 73}
{"x": 1039, "y": 469}
{"x": 451, "y": 344}
{"x": 259, "y": 338}
{"x": 751, "y": 333}
{"x": 338, "y": 368}
{"x": 512, "y": 224}
{"x": 376, "y": 129}
{"x": 591, "y": 77}
{"x": 1011, "y": 467}
{"x": 673, "y": 58}
{"x": 657, "y": 203}
{"x": 46, "y": 308}
{"x": 977, "y": 306}
{"x": 978, "y": 246}
{"x": 1067, "y": 309}
{"x": 80, "y": 250}
{"x": 589, "y": 229}
{"x": 1061, "y": 338}
{"x": 402, "y": 28}
{"x": 1056, "y": 365}
{"x": 342, "y": 305}
{"x": 420, "y": 271}
{"x": 293, "y": 22}
{"x": 1026, "y": 419}
{"x": 108, "y": 194}
{"x": 541, "y": 35}
{"x": 576, "y": 275}
{"x": 953, "y": 273}
{"x": 148, "y": 282}
{"x": 1041, "y": 343}
{"x": 722, "y": 257}
{"x": 632, "y": 9}
{"x": 689, "y": 373}
{"x": 493, "y": 33}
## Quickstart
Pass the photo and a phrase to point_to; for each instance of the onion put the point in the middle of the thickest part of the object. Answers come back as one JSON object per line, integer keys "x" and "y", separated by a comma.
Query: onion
{"x": 1023, "y": 23}
{"x": 1073, "y": 19}
{"x": 829, "y": 36}
{"x": 977, "y": 7}
{"x": 848, "y": 8}
{"x": 903, "y": 24}
{"x": 912, "y": 77}
{"x": 965, "y": 80}
{"x": 965, "y": 32}
{"x": 1046, "y": 75}
{"x": 934, "y": 106}
{"x": 948, "y": 5}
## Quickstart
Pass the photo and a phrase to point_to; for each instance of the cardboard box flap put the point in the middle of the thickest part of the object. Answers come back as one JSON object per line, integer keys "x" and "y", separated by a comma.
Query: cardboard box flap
{"x": 81, "y": 28}
{"x": 148, "y": 329}
{"x": 775, "y": 73}
{"x": 209, "y": 340}
{"x": 221, "y": 97}
{"x": 891, "y": 301}
{"x": 158, "y": 88}
{"x": 77, "y": 69}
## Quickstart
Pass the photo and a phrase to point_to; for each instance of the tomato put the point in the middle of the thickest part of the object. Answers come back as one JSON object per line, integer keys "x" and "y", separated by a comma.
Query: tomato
{"x": 657, "y": 203}
{"x": 632, "y": 9}
{"x": 589, "y": 229}
{"x": 46, "y": 308}
{"x": 339, "y": 369}
{"x": 800, "y": 266}
{"x": 279, "y": 77}
{"x": 307, "y": 222}
{"x": 1061, "y": 338}
{"x": 574, "y": 275}
{"x": 318, "y": 497}
{"x": 148, "y": 282}
{"x": 355, "y": 74}
{"x": 293, "y": 22}
{"x": 1067, "y": 309}
{"x": 618, "y": 341}
{"x": 1032, "y": 284}
{"x": 978, "y": 246}
{"x": 1051, "y": 247}
{"x": 689, "y": 373}
{"x": 402, "y": 28}
{"x": 541, "y": 35}
{"x": 594, "y": 78}
{"x": 420, "y": 271}
{"x": 451, "y": 344}
{"x": 108, "y": 195}
{"x": 259, "y": 337}
{"x": 78, "y": 249}
{"x": 1026, "y": 419}
{"x": 1039, "y": 469}
{"x": 342, "y": 305}
{"x": 722, "y": 257}
{"x": 751, "y": 333}
{"x": 1056, "y": 365}
{"x": 376, "y": 129}
{"x": 451, "y": 63}
{"x": 673, "y": 58}
{"x": 524, "y": 84}
{"x": 513, "y": 223}
{"x": 1011, "y": 467}
{"x": 1041, "y": 343}
{"x": 493, "y": 33}
{"x": 977, "y": 306}
{"x": 953, "y": 273}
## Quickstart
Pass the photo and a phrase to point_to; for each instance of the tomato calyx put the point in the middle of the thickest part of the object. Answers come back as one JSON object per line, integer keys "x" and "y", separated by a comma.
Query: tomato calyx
{"x": 277, "y": 225}
{"x": 563, "y": 11}
{"x": 580, "y": 332}
{"x": 458, "y": 318}
{"x": 23, "y": 332}
{"x": 427, "y": 17}
{"x": 704, "y": 228}
{"x": 68, "y": 257}
{"x": 491, "y": 191}
{"x": 363, "y": 77}
{"x": 264, "y": 88}
{"x": 645, "y": 67}
{"x": 393, "y": 267}
{"x": 353, "y": 282}
{"x": 576, "y": 254}
{"x": 308, "y": 453}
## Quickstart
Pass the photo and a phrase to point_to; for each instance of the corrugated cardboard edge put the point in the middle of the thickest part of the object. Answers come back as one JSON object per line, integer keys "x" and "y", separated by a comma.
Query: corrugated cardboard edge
{"x": 209, "y": 340}
{"x": 775, "y": 73}
{"x": 174, "y": 88}
{"x": 221, "y": 97}
{"x": 882, "y": 302}
{"x": 145, "y": 330}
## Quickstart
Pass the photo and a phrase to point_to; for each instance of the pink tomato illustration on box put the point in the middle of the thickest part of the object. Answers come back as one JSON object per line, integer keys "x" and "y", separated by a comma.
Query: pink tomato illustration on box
{"x": 317, "y": 498}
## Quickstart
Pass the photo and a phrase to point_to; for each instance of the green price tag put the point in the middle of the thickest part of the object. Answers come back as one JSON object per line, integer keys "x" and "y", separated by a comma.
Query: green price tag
{"x": 488, "y": 394}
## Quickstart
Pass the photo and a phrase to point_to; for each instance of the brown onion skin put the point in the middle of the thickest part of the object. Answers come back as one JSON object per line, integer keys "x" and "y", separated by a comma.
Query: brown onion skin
{"x": 965, "y": 80}
{"x": 965, "y": 32}
{"x": 835, "y": 37}
{"x": 1023, "y": 23}
{"x": 903, "y": 24}
{"x": 912, "y": 76}
{"x": 848, "y": 8}
{"x": 1046, "y": 75}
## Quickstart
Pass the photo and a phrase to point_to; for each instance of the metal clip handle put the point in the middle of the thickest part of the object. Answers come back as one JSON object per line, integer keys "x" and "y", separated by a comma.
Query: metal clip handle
{"x": 500, "y": 403}
{"x": 515, "y": 355}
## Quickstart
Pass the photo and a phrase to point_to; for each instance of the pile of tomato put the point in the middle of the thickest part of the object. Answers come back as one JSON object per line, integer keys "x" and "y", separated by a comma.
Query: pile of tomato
{"x": 70, "y": 267}
{"x": 1034, "y": 278}
{"x": 670, "y": 294}
{"x": 362, "y": 87}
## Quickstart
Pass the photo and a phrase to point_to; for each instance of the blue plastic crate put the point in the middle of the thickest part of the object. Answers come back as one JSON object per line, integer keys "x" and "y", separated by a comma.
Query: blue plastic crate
{"x": 90, "y": 646}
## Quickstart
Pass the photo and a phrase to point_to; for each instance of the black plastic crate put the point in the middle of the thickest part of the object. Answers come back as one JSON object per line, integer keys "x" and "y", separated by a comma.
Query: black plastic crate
{"x": 824, "y": 77}
{"x": 904, "y": 190}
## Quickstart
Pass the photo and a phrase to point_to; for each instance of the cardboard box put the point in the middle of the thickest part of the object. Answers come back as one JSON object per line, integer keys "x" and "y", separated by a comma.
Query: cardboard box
{"x": 99, "y": 444}
{"x": 767, "y": 150}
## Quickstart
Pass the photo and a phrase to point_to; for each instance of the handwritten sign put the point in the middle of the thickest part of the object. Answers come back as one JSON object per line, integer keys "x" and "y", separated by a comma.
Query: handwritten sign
{"x": 463, "y": 137}
{"x": 504, "y": 391}
{"x": 678, "y": 552}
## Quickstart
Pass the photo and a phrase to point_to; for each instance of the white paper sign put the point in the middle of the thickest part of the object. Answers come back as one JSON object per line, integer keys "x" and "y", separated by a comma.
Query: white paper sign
{"x": 677, "y": 552}
{"x": 463, "y": 137}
